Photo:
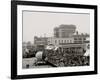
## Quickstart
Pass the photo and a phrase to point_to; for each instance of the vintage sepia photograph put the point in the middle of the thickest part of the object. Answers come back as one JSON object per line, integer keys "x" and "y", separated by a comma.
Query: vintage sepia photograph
{"x": 55, "y": 39}
{"x": 52, "y": 39}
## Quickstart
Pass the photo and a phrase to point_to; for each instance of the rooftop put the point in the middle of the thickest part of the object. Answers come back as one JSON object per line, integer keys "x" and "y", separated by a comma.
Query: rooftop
{"x": 67, "y": 26}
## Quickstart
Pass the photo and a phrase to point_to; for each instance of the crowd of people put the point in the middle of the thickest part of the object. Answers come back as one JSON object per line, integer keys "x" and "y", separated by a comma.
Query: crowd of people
{"x": 62, "y": 56}
{"x": 67, "y": 57}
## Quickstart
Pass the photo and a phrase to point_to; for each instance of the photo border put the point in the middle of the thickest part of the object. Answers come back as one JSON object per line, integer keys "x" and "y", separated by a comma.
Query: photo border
{"x": 14, "y": 38}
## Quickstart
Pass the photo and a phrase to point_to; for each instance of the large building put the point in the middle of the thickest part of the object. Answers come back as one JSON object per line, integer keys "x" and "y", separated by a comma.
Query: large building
{"x": 60, "y": 41}
{"x": 64, "y": 31}
{"x": 64, "y": 35}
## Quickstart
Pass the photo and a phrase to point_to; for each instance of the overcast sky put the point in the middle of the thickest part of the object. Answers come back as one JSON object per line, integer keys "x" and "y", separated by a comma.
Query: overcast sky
{"x": 43, "y": 23}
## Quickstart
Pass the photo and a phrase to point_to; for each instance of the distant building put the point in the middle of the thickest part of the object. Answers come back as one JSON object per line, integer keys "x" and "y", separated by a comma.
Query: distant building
{"x": 24, "y": 45}
{"x": 40, "y": 40}
{"x": 81, "y": 38}
{"x": 64, "y": 31}
{"x": 29, "y": 45}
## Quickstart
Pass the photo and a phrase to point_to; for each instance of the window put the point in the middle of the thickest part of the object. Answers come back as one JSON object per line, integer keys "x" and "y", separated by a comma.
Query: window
{"x": 80, "y": 38}
{"x": 70, "y": 41}
{"x": 65, "y": 41}
{"x": 75, "y": 38}
{"x": 62, "y": 41}
{"x": 59, "y": 41}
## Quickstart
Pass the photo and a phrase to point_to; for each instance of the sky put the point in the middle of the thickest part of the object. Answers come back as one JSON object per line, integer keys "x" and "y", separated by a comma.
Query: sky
{"x": 43, "y": 23}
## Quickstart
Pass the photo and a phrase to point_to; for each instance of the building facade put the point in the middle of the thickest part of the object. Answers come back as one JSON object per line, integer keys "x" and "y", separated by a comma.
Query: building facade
{"x": 64, "y": 35}
{"x": 40, "y": 40}
{"x": 64, "y": 31}
{"x": 81, "y": 38}
{"x": 60, "y": 41}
